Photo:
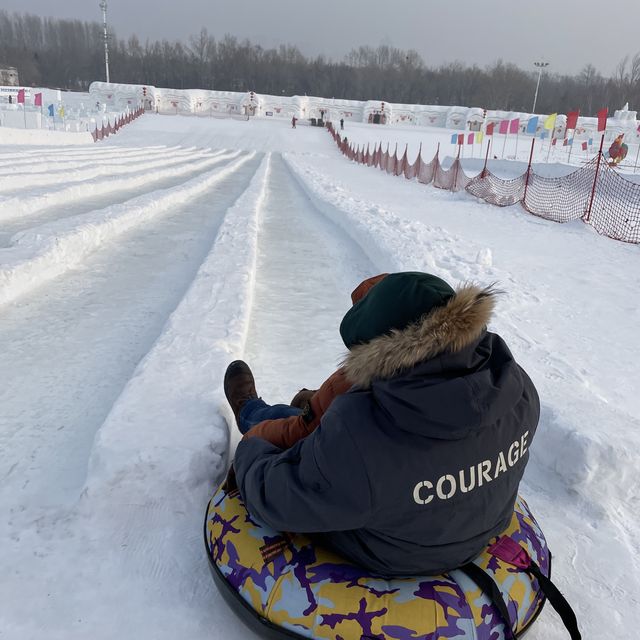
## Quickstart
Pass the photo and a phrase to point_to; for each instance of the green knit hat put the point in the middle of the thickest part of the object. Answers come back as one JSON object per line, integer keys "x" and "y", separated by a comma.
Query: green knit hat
{"x": 393, "y": 303}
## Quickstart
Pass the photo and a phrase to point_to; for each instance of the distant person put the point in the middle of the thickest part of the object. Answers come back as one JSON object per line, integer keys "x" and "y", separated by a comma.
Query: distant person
{"x": 293, "y": 122}
{"x": 342, "y": 123}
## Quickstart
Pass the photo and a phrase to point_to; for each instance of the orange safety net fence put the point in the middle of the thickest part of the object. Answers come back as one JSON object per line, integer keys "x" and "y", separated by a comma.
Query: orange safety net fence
{"x": 595, "y": 193}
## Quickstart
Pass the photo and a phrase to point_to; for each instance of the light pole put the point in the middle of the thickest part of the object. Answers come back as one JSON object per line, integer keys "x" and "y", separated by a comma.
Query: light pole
{"x": 540, "y": 65}
{"x": 103, "y": 6}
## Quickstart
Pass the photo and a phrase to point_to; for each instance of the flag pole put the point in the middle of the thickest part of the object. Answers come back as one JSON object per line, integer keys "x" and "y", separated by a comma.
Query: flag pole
{"x": 573, "y": 141}
{"x": 24, "y": 111}
{"x": 504, "y": 144}
{"x": 595, "y": 180}
{"x": 517, "y": 138}
{"x": 552, "y": 132}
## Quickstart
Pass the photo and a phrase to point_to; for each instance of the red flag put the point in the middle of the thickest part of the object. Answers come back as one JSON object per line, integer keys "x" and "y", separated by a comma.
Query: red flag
{"x": 470, "y": 138}
{"x": 514, "y": 125}
{"x": 553, "y": 141}
{"x": 37, "y": 100}
{"x": 603, "y": 114}
{"x": 21, "y": 96}
{"x": 504, "y": 127}
{"x": 461, "y": 138}
{"x": 572, "y": 119}
{"x": 492, "y": 125}
{"x": 584, "y": 146}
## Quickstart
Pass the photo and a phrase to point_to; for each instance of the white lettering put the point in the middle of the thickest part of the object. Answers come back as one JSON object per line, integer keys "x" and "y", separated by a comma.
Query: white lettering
{"x": 513, "y": 455}
{"x": 416, "y": 492}
{"x": 452, "y": 481}
{"x": 523, "y": 444}
{"x": 501, "y": 465}
{"x": 484, "y": 472}
{"x": 472, "y": 480}
{"x": 472, "y": 477}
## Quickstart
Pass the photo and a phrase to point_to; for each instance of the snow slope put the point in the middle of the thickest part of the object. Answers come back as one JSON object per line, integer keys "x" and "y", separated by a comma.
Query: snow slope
{"x": 124, "y": 300}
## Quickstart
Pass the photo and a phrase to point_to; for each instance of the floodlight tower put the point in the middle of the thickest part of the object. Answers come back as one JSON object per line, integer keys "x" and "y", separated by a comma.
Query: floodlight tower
{"x": 103, "y": 6}
{"x": 540, "y": 66}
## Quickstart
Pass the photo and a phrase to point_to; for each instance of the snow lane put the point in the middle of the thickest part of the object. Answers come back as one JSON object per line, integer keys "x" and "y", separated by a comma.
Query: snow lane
{"x": 10, "y": 231}
{"x": 138, "y": 528}
{"x": 48, "y": 251}
{"x": 58, "y": 154}
{"x": 88, "y": 169}
{"x": 307, "y": 268}
{"x": 19, "y": 207}
{"x": 41, "y": 161}
{"x": 73, "y": 347}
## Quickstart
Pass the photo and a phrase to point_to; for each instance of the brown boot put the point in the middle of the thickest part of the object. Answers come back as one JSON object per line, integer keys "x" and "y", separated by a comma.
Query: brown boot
{"x": 239, "y": 385}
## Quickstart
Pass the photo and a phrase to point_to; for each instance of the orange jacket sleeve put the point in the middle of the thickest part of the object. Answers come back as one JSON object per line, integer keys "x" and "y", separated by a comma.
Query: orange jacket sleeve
{"x": 285, "y": 432}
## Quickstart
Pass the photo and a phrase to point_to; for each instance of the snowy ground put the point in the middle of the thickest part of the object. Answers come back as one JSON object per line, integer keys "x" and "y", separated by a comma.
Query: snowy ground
{"x": 133, "y": 270}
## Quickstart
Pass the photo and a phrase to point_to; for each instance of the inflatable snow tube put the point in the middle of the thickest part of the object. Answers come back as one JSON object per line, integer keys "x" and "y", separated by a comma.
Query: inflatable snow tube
{"x": 285, "y": 586}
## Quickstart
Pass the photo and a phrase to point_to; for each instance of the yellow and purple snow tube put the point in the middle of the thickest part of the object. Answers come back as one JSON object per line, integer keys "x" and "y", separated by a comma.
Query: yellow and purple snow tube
{"x": 285, "y": 586}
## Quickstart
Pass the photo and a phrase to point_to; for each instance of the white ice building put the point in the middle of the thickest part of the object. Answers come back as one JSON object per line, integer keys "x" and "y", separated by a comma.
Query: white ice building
{"x": 228, "y": 103}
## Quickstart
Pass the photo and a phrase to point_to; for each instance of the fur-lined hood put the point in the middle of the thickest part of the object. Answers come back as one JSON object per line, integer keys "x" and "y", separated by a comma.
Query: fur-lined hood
{"x": 449, "y": 328}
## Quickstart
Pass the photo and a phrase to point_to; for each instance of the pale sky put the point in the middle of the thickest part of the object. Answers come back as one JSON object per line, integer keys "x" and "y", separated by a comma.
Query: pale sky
{"x": 567, "y": 33}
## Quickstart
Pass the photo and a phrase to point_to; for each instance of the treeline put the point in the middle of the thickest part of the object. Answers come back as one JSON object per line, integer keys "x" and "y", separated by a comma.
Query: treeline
{"x": 69, "y": 54}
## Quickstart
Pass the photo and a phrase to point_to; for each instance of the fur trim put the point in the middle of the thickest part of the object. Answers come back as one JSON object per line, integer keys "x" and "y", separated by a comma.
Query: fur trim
{"x": 448, "y": 328}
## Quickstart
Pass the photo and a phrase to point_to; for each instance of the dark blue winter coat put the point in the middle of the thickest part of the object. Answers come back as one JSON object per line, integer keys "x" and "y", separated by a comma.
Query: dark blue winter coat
{"x": 418, "y": 465}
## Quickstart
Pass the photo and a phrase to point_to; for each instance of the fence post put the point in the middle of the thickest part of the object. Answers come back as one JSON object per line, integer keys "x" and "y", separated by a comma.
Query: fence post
{"x": 595, "y": 180}
{"x": 486, "y": 160}
{"x": 526, "y": 182}
{"x": 456, "y": 164}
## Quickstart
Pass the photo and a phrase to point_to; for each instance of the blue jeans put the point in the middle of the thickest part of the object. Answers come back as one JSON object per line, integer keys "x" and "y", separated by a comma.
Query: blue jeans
{"x": 257, "y": 410}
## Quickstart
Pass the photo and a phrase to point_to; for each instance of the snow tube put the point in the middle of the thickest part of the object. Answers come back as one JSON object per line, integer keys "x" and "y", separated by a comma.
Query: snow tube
{"x": 285, "y": 586}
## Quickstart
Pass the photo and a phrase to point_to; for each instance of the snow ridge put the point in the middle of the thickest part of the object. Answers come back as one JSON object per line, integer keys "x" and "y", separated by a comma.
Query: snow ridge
{"x": 48, "y": 251}
{"x": 20, "y": 206}
{"x": 161, "y": 409}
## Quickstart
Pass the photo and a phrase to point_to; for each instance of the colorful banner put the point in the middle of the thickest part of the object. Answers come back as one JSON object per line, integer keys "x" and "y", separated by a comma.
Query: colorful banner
{"x": 479, "y": 137}
{"x": 470, "y": 138}
{"x": 603, "y": 114}
{"x": 572, "y": 119}
{"x": 584, "y": 146}
{"x": 37, "y": 99}
{"x": 490, "y": 127}
{"x": 461, "y": 139}
{"x": 50, "y": 109}
{"x": 21, "y": 96}
{"x": 550, "y": 122}
{"x": 454, "y": 138}
{"x": 532, "y": 125}
{"x": 504, "y": 127}
{"x": 514, "y": 125}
